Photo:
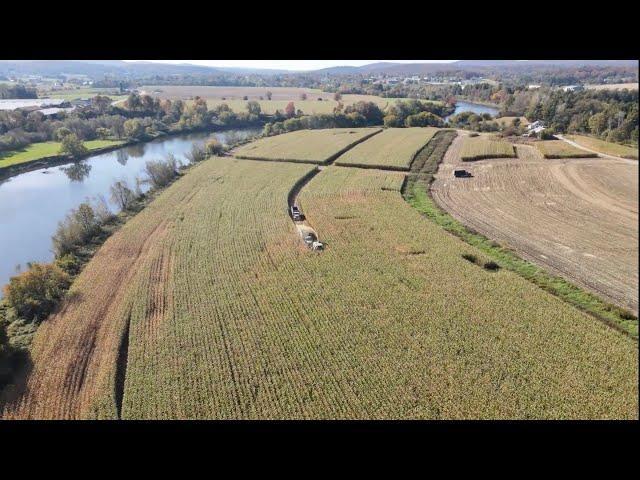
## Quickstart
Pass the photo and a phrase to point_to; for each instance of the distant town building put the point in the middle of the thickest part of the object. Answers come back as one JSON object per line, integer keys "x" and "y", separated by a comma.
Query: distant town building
{"x": 573, "y": 88}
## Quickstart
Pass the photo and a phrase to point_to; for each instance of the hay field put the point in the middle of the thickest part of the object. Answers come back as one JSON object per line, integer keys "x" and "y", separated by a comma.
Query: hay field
{"x": 608, "y": 148}
{"x": 315, "y": 146}
{"x": 613, "y": 86}
{"x": 281, "y": 96}
{"x": 576, "y": 218}
{"x": 393, "y": 148}
{"x": 558, "y": 149}
{"x": 230, "y": 317}
{"x": 482, "y": 147}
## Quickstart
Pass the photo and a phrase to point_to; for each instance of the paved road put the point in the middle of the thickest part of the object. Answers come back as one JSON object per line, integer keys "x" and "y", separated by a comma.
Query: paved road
{"x": 581, "y": 147}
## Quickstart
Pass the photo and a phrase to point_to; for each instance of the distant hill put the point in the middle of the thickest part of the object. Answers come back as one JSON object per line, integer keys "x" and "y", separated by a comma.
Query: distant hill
{"x": 392, "y": 68}
{"x": 100, "y": 68}
{"x": 97, "y": 68}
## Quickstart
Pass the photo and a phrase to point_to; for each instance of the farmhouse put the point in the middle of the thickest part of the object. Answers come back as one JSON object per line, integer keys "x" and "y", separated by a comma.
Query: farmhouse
{"x": 534, "y": 128}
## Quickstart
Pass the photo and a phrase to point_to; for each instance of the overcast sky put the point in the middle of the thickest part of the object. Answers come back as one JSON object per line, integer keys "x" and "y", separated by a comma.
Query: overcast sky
{"x": 288, "y": 64}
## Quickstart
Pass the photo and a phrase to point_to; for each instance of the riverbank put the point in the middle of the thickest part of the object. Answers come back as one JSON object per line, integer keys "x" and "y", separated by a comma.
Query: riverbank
{"x": 46, "y": 161}
{"x": 19, "y": 331}
{"x": 28, "y": 164}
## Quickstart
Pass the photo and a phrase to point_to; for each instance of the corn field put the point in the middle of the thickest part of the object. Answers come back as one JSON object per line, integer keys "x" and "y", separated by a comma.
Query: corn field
{"x": 310, "y": 146}
{"x": 209, "y": 306}
{"x": 394, "y": 148}
{"x": 482, "y": 147}
{"x": 560, "y": 149}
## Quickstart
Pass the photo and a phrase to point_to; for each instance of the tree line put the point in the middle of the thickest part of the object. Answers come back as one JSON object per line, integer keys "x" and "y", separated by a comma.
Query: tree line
{"x": 8, "y": 91}
{"x": 410, "y": 113}
{"x": 137, "y": 118}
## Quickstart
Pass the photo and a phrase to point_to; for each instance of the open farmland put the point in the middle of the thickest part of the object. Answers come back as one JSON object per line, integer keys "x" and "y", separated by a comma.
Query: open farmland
{"x": 559, "y": 149}
{"x": 226, "y": 315}
{"x": 614, "y": 86}
{"x": 607, "y": 148}
{"x": 281, "y": 96}
{"x": 394, "y": 148}
{"x": 577, "y": 218}
{"x": 482, "y": 147}
{"x": 310, "y": 146}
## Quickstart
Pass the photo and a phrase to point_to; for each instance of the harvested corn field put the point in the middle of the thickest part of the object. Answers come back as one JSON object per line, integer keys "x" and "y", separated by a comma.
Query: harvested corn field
{"x": 394, "y": 148}
{"x": 482, "y": 147}
{"x": 559, "y": 149}
{"x": 577, "y": 218}
{"x": 307, "y": 146}
{"x": 231, "y": 317}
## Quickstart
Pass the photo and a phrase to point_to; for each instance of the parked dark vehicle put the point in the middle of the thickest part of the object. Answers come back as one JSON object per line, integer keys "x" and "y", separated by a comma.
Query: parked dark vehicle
{"x": 462, "y": 174}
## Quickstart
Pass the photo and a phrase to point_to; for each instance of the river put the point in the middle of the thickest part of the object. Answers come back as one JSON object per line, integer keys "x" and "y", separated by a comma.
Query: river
{"x": 475, "y": 108}
{"x": 32, "y": 203}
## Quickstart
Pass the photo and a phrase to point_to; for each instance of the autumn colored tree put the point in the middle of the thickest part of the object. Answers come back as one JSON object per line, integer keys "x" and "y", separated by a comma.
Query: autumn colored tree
{"x": 290, "y": 110}
{"x": 33, "y": 294}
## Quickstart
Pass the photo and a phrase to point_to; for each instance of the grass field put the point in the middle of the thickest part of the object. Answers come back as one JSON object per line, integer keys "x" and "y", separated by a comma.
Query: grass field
{"x": 608, "y": 148}
{"x": 74, "y": 94}
{"x": 393, "y": 148}
{"x": 37, "y": 151}
{"x": 316, "y": 146}
{"x": 559, "y": 149}
{"x": 483, "y": 147}
{"x": 575, "y": 218}
{"x": 226, "y": 315}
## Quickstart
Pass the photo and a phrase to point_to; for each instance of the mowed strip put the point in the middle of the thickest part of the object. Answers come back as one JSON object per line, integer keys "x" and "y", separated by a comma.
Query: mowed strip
{"x": 394, "y": 148}
{"x": 309, "y": 146}
{"x": 482, "y": 147}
